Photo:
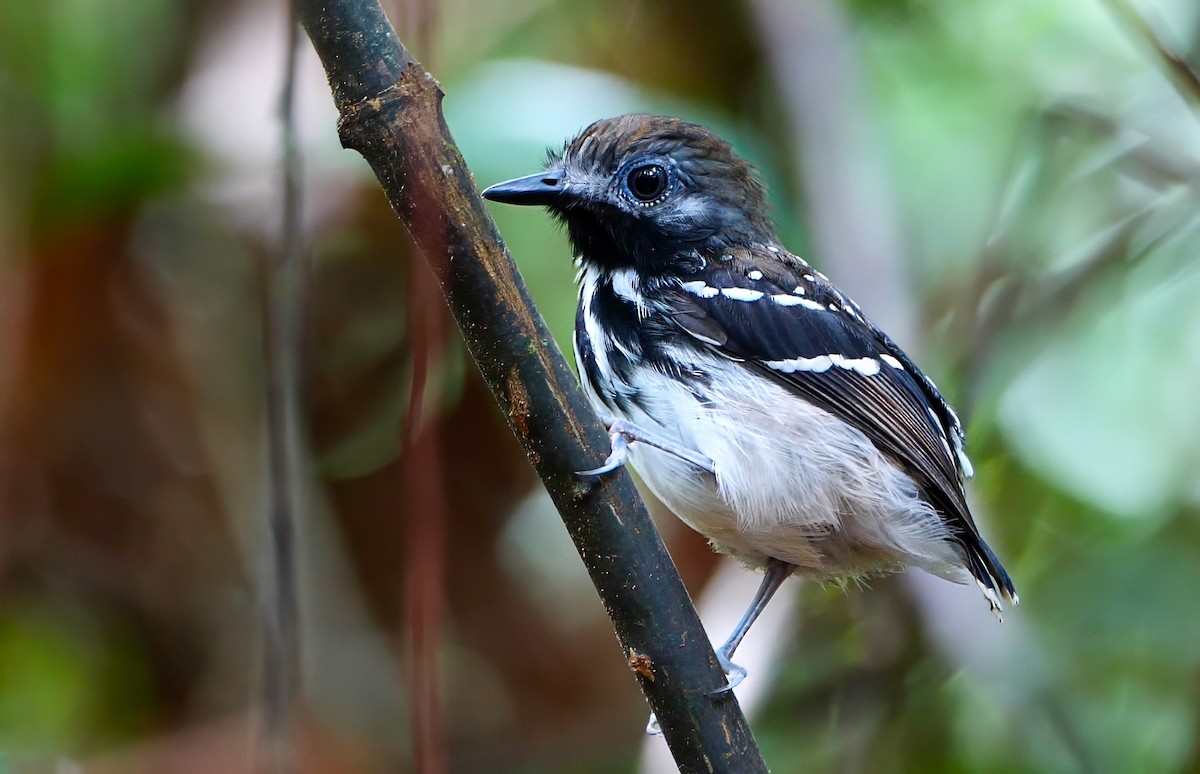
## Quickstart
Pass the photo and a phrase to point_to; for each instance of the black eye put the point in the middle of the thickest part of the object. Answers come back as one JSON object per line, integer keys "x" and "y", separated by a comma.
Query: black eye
{"x": 647, "y": 183}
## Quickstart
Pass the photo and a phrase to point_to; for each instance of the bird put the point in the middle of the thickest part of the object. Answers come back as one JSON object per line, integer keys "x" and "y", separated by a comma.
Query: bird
{"x": 755, "y": 399}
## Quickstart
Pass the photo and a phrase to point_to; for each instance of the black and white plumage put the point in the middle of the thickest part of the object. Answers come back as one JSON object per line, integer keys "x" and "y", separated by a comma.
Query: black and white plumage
{"x": 824, "y": 450}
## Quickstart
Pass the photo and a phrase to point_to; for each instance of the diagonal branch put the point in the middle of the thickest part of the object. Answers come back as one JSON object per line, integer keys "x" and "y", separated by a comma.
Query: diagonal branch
{"x": 391, "y": 113}
{"x": 1186, "y": 77}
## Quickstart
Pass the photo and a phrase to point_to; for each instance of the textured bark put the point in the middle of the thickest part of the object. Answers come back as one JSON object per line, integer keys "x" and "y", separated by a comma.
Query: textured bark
{"x": 390, "y": 110}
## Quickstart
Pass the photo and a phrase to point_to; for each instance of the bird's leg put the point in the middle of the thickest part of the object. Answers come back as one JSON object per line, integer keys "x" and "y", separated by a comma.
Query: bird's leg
{"x": 622, "y": 432}
{"x": 777, "y": 572}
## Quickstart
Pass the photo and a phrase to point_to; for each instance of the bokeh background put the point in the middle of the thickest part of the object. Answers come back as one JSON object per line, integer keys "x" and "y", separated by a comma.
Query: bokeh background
{"x": 1009, "y": 187}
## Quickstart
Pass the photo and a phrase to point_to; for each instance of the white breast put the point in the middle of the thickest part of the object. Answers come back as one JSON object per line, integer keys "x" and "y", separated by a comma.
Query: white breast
{"x": 792, "y": 483}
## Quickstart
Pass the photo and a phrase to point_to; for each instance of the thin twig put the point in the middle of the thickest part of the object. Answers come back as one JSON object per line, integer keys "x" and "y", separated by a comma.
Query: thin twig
{"x": 284, "y": 293}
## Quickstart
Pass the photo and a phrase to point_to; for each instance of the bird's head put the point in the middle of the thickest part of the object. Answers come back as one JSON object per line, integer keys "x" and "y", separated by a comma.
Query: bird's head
{"x": 647, "y": 192}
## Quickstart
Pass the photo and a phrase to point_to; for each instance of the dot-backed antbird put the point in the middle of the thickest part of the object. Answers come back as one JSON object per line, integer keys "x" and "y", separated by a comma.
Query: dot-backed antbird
{"x": 755, "y": 399}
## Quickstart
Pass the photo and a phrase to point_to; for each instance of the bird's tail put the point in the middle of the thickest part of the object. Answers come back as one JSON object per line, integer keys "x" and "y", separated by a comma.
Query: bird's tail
{"x": 993, "y": 579}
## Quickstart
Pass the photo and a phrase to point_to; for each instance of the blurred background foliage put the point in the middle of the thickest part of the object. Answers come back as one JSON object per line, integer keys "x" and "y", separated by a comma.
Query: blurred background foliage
{"x": 1021, "y": 179}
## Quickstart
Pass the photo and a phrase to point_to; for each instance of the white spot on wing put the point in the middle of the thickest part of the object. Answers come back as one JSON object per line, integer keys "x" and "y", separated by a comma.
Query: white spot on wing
{"x": 817, "y": 365}
{"x": 783, "y": 299}
{"x": 956, "y": 436}
{"x": 773, "y": 248}
{"x": 699, "y": 288}
{"x": 755, "y": 275}
{"x": 742, "y": 294}
{"x": 867, "y": 366}
{"x": 893, "y": 362}
{"x": 942, "y": 435}
{"x": 963, "y": 461}
{"x": 704, "y": 338}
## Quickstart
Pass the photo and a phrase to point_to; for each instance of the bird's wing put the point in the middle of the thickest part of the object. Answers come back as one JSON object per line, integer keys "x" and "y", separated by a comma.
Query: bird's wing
{"x": 779, "y": 317}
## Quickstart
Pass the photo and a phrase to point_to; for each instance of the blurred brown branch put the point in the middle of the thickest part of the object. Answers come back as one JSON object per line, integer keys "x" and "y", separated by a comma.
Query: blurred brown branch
{"x": 391, "y": 113}
{"x": 426, "y": 528}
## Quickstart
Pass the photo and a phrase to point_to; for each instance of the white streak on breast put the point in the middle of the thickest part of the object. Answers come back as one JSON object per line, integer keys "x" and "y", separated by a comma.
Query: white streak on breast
{"x": 627, "y": 286}
{"x": 600, "y": 342}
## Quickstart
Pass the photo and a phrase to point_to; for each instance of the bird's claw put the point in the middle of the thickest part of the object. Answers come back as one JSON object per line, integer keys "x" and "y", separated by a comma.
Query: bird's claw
{"x": 622, "y": 432}
{"x": 734, "y": 675}
{"x": 620, "y": 450}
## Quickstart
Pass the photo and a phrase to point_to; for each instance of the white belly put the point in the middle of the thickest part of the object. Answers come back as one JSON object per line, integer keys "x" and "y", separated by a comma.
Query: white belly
{"x": 792, "y": 482}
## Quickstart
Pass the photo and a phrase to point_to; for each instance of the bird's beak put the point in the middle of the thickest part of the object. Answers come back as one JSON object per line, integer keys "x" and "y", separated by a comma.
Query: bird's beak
{"x": 543, "y": 188}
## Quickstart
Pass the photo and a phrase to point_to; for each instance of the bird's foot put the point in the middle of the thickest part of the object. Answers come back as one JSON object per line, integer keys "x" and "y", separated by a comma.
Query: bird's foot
{"x": 622, "y": 432}
{"x": 734, "y": 675}
{"x": 620, "y": 448}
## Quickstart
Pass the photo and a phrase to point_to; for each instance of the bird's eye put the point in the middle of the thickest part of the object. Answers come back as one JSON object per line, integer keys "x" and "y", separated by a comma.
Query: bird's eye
{"x": 647, "y": 183}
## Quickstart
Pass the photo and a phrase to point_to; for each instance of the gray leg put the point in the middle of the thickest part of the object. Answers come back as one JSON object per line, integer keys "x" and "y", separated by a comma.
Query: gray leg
{"x": 777, "y": 572}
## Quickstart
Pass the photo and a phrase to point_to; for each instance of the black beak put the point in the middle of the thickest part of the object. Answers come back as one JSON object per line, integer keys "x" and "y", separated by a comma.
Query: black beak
{"x": 543, "y": 188}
